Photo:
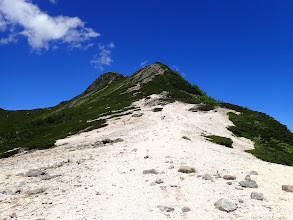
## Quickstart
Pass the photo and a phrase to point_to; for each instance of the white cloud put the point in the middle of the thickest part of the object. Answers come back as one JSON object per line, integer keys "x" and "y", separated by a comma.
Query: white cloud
{"x": 39, "y": 28}
{"x": 104, "y": 57}
{"x": 142, "y": 64}
{"x": 53, "y": 1}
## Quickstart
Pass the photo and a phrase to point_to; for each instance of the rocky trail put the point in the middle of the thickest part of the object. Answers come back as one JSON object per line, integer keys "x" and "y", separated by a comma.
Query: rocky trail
{"x": 141, "y": 168}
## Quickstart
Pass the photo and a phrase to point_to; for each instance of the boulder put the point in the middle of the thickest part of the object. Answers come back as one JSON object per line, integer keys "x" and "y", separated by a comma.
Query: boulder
{"x": 248, "y": 184}
{"x": 287, "y": 188}
{"x": 159, "y": 181}
{"x": 229, "y": 177}
{"x": 225, "y": 205}
{"x": 257, "y": 196}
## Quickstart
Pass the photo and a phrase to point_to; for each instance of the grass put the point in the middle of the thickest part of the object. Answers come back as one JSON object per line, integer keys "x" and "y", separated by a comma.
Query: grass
{"x": 157, "y": 109}
{"x": 273, "y": 141}
{"x": 186, "y": 138}
{"x": 220, "y": 140}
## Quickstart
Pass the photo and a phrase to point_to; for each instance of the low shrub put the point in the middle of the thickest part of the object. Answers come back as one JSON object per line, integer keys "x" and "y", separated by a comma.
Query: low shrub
{"x": 220, "y": 140}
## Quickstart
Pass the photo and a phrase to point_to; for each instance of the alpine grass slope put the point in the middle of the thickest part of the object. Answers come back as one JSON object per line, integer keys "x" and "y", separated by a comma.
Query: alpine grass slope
{"x": 112, "y": 95}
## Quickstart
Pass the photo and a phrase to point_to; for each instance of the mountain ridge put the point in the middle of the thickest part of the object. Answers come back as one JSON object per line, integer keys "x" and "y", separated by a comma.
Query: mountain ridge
{"x": 112, "y": 94}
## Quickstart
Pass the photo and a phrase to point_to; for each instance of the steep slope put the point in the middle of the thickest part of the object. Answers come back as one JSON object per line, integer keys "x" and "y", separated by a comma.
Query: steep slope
{"x": 110, "y": 94}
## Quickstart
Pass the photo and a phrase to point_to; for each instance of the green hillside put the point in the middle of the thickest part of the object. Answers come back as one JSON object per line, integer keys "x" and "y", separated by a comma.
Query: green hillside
{"x": 110, "y": 94}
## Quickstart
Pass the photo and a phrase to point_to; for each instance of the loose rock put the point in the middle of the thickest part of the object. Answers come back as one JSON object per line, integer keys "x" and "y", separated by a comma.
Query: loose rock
{"x": 186, "y": 209}
{"x": 165, "y": 208}
{"x": 207, "y": 177}
{"x": 253, "y": 172}
{"x": 257, "y": 196}
{"x": 152, "y": 171}
{"x": 248, "y": 184}
{"x": 287, "y": 188}
{"x": 248, "y": 178}
{"x": 229, "y": 177}
{"x": 35, "y": 173}
{"x": 35, "y": 191}
{"x": 186, "y": 169}
{"x": 159, "y": 181}
{"x": 225, "y": 205}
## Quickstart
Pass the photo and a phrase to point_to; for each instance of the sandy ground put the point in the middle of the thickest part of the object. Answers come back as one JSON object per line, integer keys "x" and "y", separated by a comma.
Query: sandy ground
{"x": 107, "y": 181}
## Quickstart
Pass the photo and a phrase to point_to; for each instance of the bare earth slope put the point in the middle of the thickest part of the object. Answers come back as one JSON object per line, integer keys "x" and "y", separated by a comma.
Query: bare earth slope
{"x": 106, "y": 181}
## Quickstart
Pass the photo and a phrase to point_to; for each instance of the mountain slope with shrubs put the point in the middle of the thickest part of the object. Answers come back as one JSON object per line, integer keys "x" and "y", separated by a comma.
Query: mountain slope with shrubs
{"x": 112, "y": 94}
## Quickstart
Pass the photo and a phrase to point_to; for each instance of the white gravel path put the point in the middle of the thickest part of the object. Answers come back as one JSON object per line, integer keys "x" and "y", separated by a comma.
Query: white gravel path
{"x": 106, "y": 182}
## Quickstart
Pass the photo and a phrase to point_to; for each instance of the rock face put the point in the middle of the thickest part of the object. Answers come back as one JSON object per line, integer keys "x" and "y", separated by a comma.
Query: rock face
{"x": 257, "y": 196}
{"x": 287, "y": 188}
{"x": 229, "y": 177}
{"x": 225, "y": 205}
{"x": 248, "y": 184}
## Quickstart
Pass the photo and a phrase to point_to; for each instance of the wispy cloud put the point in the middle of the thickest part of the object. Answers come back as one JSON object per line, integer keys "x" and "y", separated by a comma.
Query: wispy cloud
{"x": 104, "y": 57}
{"x": 21, "y": 18}
{"x": 143, "y": 63}
{"x": 53, "y": 1}
{"x": 176, "y": 68}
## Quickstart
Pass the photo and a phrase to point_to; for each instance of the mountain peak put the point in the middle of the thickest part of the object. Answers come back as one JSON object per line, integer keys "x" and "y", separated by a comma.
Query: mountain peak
{"x": 147, "y": 73}
{"x": 104, "y": 79}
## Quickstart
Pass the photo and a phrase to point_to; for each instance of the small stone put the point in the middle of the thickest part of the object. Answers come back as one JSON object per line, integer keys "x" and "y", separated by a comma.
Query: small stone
{"x": 106, "y": 141}
{"x": 159, "y": 181}
{"x": 253, "y": 172}
{"x": 238, "y": 188}
{"x": 186, "y": 209}
{"x": 240, "y": 201}
{"x": 186, "y": 169}
{"x": 207, "y": 177}
{"x": 48, "y": 177}
{"x": 35, "y": 191}
{"x": 13, "y": 215}
{"x": 229, "y": 183}
{"x": 171, "y": 167}
{"x": 146, "y": 157}
{"x": 229, "y": 177}
{"x": 248, "y": 184}
{"x": 248, "y": 178}
{"x": 225, "y": 205}
{"x": 20, "y": 174}
{"x": 35, "y": 173}
{"x": 165, "y": 208}
{"x": 152, "y": 171}
{"x": 287, "y": 188}
{"x": 257, "y": 196}
{"x": 153, "y": 184}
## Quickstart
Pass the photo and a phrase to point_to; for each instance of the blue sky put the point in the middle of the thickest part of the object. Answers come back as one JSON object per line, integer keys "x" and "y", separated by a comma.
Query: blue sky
{"x": 237, "y": 51}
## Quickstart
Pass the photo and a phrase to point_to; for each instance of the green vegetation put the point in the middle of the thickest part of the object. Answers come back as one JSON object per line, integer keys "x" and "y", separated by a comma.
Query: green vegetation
{"x": 273, "y": 141}
{"x": 107, "y": 96}
{"x": 157, "y": 109}
{"x": 186, "y": 138}
{"x": 220, "y": 140}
